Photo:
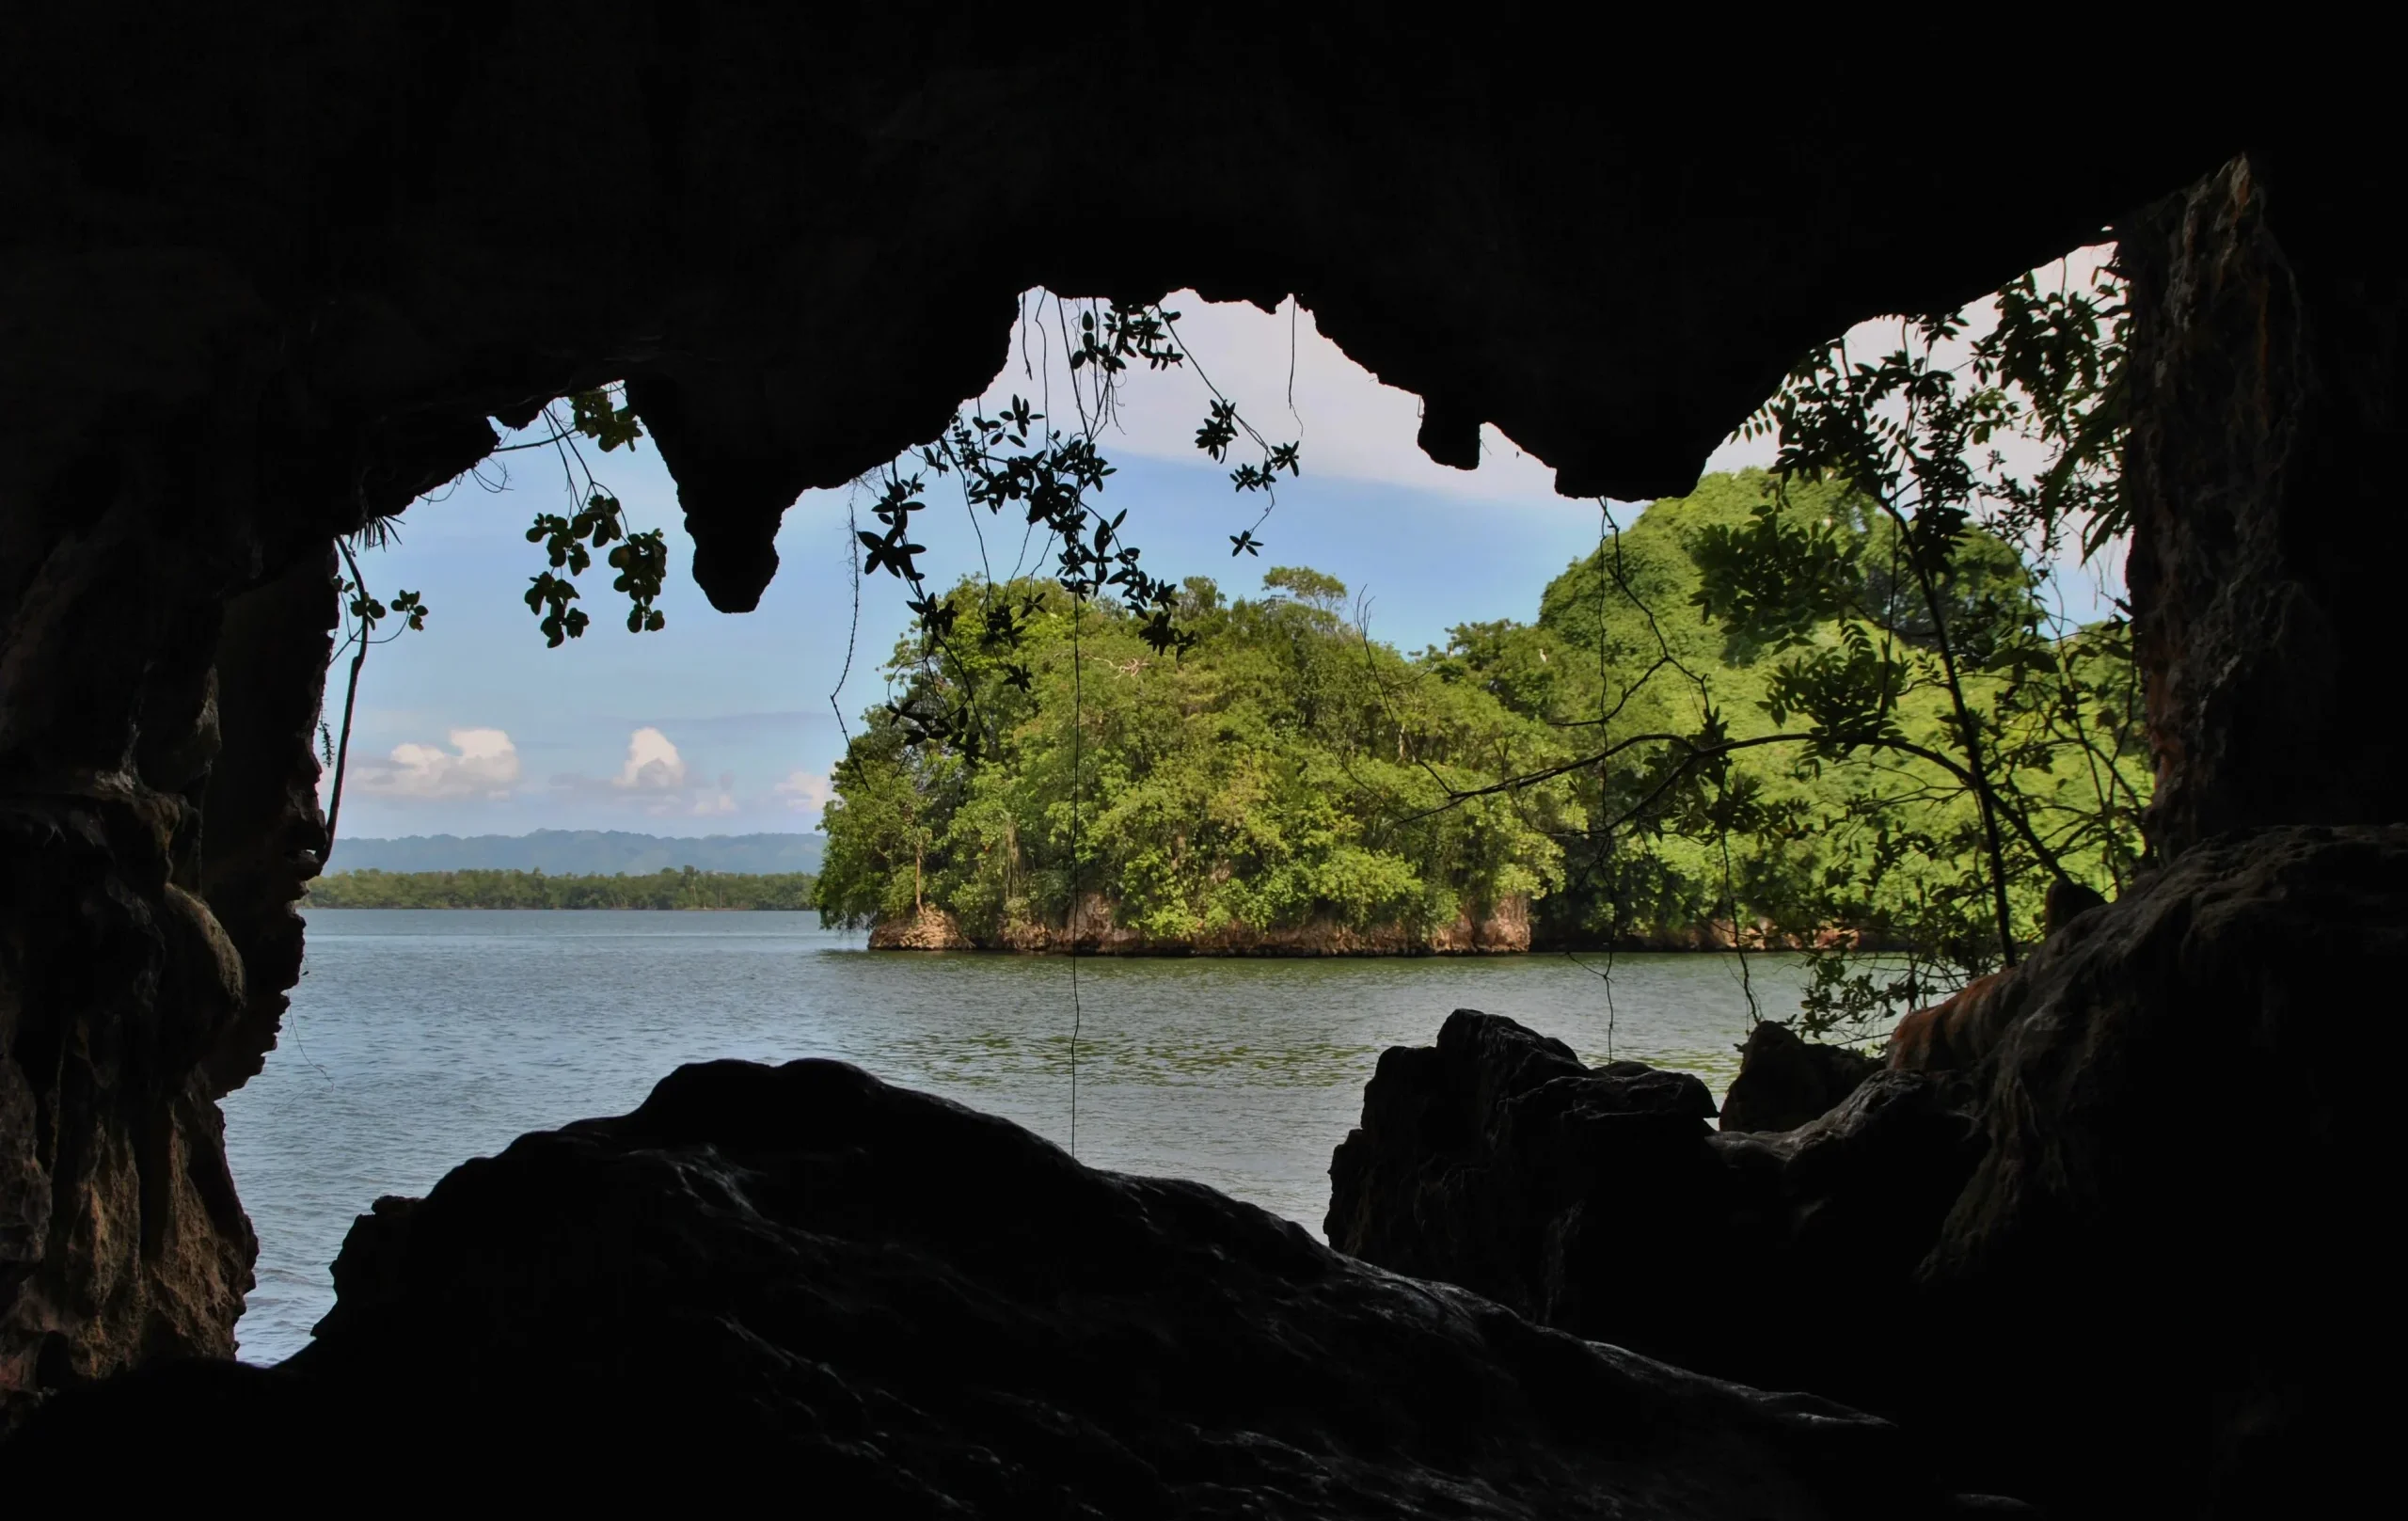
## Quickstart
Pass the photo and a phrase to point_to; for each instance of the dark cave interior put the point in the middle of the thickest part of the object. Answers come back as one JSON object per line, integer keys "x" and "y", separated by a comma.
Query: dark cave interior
{"x": 259, "y": 288}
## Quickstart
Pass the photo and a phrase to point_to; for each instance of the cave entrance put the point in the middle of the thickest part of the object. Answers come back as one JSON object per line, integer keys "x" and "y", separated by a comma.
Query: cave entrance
{"x": 261, "y": 288}
{"x": 439, "y": 1017}
{"x": 418, "y": 1036}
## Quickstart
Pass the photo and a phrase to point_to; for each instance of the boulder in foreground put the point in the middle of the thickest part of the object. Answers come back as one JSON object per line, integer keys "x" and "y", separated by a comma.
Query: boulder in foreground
{"x": 2122, "y": 1254}
{"x": 1784, "y": 1081}
{"x": 1601, "y": 1201}
{"x": 888, "y": 1305}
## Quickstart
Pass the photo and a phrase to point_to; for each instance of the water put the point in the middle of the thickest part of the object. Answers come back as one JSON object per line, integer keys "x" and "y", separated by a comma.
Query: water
{"x": 418, "y": 1039}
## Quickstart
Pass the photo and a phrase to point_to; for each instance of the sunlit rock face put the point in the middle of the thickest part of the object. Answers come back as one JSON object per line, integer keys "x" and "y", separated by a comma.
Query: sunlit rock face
{"x": 2122, "y": 1266}
{"x": 883, "y": 1303}
{"x": 1093, "y": 931}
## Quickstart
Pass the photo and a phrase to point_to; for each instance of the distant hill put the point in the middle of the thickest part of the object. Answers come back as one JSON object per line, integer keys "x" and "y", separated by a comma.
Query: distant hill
{"x": 583, "y": 852}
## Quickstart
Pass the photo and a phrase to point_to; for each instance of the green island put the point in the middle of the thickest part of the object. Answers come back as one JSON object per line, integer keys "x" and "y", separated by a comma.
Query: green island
{"x": 1666, "y": 757}
{"x": 664, "y": 888}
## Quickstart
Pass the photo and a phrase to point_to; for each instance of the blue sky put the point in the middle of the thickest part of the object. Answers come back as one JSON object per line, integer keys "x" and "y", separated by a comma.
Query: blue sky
{"x": 723, "y": 724}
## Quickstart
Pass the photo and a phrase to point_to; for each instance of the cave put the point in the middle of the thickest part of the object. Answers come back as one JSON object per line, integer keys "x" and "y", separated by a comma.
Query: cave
{"x": 259, "y": 290}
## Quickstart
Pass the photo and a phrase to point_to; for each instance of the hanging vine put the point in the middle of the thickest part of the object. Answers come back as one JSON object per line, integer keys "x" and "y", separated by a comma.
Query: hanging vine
{"x": 1049, "y": 475}
{"x": 363, "y": 612}
{"x": 596, "y": 520}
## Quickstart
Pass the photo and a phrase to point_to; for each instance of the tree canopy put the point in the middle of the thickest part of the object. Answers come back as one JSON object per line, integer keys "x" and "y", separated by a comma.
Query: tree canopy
{"x": 1285, "y": 768}
{"x": 1277, "y": 770}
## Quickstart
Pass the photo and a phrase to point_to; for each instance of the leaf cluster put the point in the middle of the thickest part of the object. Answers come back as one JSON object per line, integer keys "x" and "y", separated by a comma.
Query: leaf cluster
{"x": 1276, "y": 771}
{"x": 602, "y": 416}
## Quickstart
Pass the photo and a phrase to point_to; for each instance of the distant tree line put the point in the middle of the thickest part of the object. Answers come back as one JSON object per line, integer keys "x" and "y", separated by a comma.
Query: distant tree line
{"x": 664, "y": 889}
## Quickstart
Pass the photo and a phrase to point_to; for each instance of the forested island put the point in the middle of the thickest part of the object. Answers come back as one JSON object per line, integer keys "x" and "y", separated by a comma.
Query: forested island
{"x": 1743, "y": 719}
{"x": 665, "y": 889}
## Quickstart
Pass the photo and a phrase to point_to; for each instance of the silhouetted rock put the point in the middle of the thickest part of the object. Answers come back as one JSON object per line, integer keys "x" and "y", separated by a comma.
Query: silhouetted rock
{"x": 1784, "y": 1081}
{"x": 1953, "y": 1034}
{"x": 2122, "y": 1262}
{"x": 1599, "y": 1201}
{"x": 889, "y": 1305}
{"x": 2167, "y": 1261}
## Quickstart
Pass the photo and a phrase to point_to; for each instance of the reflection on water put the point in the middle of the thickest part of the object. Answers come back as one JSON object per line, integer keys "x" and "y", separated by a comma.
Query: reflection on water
{"x": 420, "y": 1039}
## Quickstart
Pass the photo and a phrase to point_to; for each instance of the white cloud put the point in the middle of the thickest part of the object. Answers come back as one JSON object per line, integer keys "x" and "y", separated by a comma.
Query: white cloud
{"x": 653, "y": 763}
{"x": 1350, "y": 424}
{"x": 805, "y": 792}
{"x": 655, "y": 780}
{"x": 482, "y": 763}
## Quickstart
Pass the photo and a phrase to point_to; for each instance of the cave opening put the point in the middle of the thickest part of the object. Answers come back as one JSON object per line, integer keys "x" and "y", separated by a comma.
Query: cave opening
{"x": 394, "y": 1063}
{"x": 259, "y": 294}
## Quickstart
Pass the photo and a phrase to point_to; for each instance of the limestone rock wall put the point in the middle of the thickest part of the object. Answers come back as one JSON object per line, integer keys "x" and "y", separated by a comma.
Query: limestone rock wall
{"x": 931, "y": 929}
{"x": 2267, "y": 378}
{"x": 165, "y": 610}
{"x": 120, "y": 1236}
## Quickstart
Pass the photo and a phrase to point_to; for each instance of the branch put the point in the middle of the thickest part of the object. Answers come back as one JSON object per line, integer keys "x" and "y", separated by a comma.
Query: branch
{"x": 350, "y": 696}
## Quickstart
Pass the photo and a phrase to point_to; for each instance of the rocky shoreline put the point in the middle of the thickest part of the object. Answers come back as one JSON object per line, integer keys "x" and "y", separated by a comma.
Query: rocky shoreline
{"x": 1092, "y": 931}
{"x": 1507, "y": 929}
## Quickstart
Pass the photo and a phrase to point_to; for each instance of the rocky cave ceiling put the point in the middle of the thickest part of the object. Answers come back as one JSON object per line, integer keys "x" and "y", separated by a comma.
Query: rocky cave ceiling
{"x": 267, "y": 272}
{"x": 324, "y": 246}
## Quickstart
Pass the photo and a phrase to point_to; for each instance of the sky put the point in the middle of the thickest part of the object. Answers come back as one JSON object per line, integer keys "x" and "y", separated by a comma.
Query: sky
{"x": 723, "y": 723}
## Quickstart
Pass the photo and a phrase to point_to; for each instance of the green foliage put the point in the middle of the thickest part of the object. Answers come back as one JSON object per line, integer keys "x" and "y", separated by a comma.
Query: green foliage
{"x": 1051, "y": 474}
{"x": 1939, "y": 439}
{"x": 664, "y": 889}
{"x": 1789, "y": 761}
{"x": 363, "y": 612}
{"x": 603, "y": 416}
{"x": 1871, "y": 737}
{"x": 1309, "y": 587}
{"x": 1275, "y": 772}
{"x": 1283, "y": 770}
{"x": 367, "y": 611}
{"x": 642, "y": 558}
{"x": 1879, "y": 740}
{"x": 1778, "y": 577}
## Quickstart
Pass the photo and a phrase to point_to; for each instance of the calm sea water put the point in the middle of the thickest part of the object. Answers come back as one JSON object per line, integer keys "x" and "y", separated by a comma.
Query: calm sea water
{"x": 418, "y": 1039}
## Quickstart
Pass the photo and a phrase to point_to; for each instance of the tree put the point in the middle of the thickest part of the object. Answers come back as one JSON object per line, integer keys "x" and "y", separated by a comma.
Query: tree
{"x": 1893, "y": 570}
{"x": 363, "y": 614}
{"x": 893, "y": 797}
{"x": 1276, "y": 771}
